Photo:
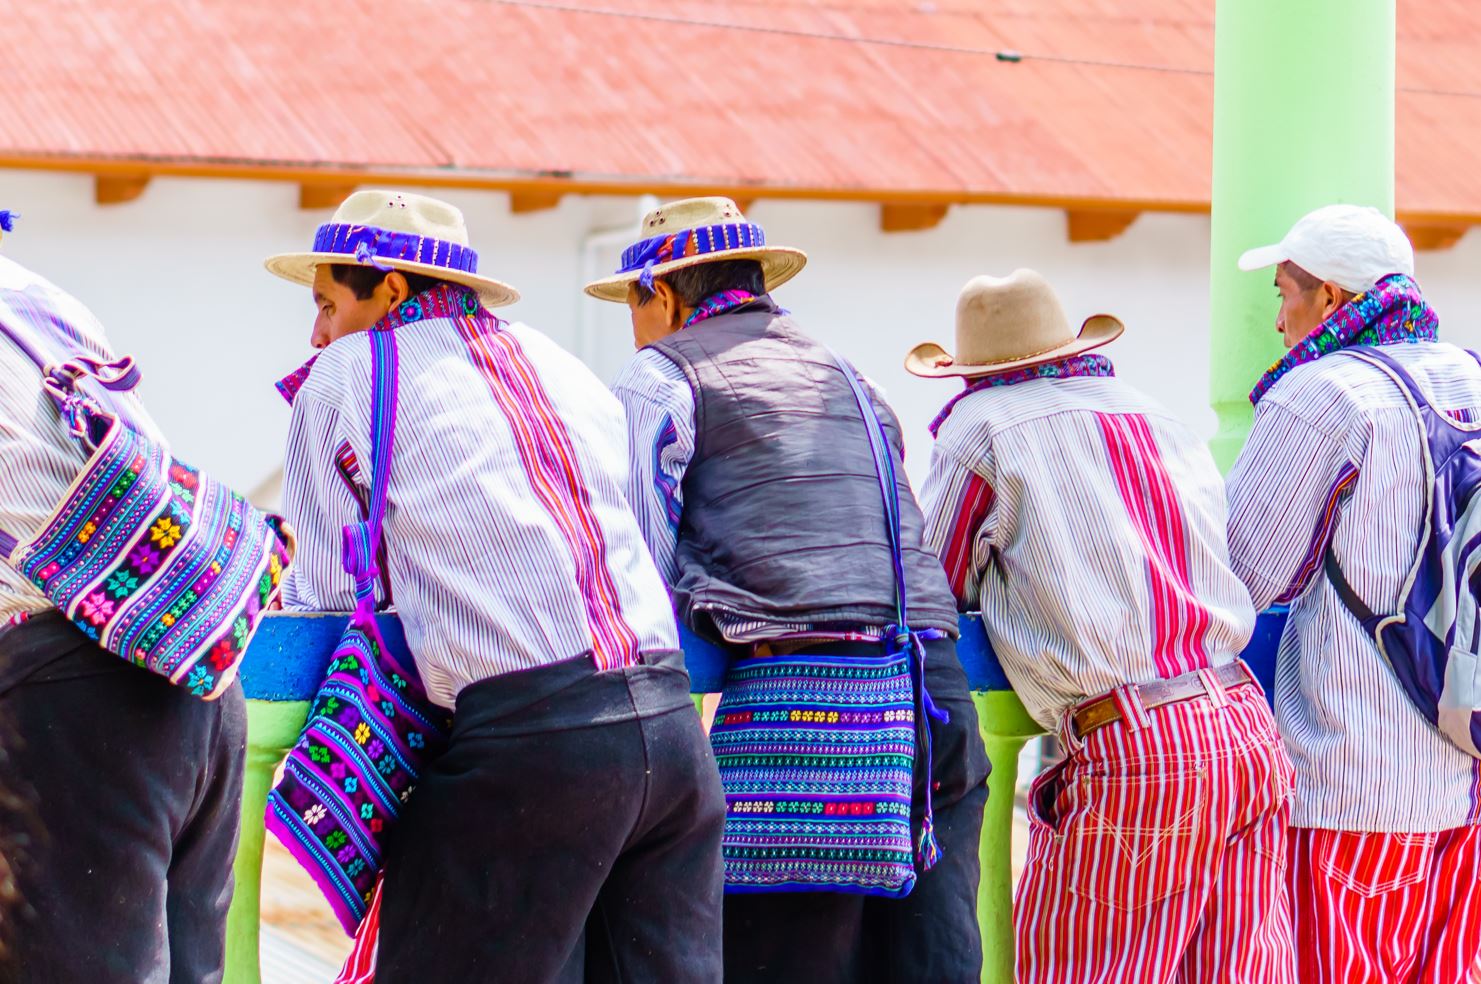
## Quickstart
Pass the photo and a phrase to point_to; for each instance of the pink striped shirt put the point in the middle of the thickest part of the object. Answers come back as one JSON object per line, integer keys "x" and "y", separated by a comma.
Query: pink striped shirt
{"x": 1088, "y": 524}
{"x": 509, "y": 540}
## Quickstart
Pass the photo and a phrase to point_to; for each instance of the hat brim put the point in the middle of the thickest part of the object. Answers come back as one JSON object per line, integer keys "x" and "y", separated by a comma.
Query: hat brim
{"x": 300, "y": 267}
{"x": 779, "y": 264}
{"x": 931, "y": 361}
{"x": 1261, "y": 257}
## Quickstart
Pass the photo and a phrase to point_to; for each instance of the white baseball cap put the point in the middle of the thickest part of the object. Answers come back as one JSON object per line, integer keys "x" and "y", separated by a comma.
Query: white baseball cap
{"x": 1353, "y": 246}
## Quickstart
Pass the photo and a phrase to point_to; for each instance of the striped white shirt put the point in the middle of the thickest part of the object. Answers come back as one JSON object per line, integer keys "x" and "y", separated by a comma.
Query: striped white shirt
{"x": 1334, "y": 456}
{"x": 39, "y": 459}
{"x": 509, "y": 540}
{"x": 1088, "y": 524}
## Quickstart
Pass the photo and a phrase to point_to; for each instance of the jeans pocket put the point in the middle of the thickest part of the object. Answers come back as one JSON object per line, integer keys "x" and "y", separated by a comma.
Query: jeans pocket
{"x": 1370, "y": 865}
{"x": 1135, "y": 840}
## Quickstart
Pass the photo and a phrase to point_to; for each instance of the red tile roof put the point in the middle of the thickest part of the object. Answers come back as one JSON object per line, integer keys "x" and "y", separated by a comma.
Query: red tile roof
{"x": 500, "y": 93}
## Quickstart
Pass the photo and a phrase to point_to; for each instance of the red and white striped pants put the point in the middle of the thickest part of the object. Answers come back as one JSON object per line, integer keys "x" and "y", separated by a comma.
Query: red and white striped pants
{"x": 1386, "y": 908}
{"x": 1157, "y": 850}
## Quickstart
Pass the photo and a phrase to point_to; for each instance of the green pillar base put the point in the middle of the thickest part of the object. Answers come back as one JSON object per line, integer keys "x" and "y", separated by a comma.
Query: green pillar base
{"x": 272, "y": 728}
{"x": 1006, "y": 727}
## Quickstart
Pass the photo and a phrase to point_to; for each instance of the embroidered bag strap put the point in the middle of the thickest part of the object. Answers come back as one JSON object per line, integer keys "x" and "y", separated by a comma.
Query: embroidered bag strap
{"x": 59, "y": 380}
{"x": 904, "y": 640}
{"x": 362, "y": 540}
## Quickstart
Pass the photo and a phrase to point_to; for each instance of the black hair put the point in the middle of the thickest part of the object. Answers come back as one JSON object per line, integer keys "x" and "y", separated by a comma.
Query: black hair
{"x": 693, "y": 284}
{"x": 363, "y": 280}
{"x": 1306, "y": 282}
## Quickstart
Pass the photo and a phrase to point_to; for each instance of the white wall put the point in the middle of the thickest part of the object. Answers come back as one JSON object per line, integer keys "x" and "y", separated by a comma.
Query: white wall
{"x": 177, "y": 278}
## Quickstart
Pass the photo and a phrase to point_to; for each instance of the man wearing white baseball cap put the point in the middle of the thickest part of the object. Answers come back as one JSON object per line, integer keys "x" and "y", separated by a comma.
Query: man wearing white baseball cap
{"x": 1335, "y": 509}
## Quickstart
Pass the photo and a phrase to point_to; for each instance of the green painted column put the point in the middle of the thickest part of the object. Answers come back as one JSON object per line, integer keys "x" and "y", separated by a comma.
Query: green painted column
{"x": 272, "y": 728}
{"x": 1005, "y": 727}
{"x": 1303, "y": 117}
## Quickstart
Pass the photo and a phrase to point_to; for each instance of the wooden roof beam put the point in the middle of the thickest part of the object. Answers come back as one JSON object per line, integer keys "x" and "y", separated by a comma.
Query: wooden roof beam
{"x": 1096, "y": 225}
{"x": 1432, "y": 236}
{"x": 312, "y": 194}
{"x": 898, "y": 217}
{"x": 115, "y": 189}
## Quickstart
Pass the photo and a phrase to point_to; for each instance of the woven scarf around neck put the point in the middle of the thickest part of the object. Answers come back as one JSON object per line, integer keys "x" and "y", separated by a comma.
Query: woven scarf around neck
{"x": 1075, "y": 365}
{"x": 1393, "y": 311}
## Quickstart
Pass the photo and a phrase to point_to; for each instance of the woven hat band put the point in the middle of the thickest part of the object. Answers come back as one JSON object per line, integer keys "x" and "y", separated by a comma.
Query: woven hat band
{"x": 367, "y": 244}
{"x": 691, "y": 242}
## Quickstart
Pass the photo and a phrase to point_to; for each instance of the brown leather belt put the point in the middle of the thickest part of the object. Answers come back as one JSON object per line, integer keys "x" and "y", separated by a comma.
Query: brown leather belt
{"x": 1104, "y": 710}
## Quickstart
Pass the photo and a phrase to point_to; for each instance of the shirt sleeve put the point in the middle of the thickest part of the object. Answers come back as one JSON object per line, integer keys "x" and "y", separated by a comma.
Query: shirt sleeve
{"x": 320, "y": 498}
{"x": 659, "y": 406}
{"x": 958, "y": 501}
{"x": 1285, "y": 492}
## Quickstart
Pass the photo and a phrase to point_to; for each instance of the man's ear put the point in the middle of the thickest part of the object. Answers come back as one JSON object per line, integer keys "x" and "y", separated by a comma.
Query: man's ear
{"x": 398, "y": 291}
{"x": 1333, "y": 297}
{"x": 669, "y": 298}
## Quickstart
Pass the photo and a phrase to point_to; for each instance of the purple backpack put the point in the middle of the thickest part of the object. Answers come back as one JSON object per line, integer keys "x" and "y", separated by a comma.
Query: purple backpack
{"x": 1433, "y": 642}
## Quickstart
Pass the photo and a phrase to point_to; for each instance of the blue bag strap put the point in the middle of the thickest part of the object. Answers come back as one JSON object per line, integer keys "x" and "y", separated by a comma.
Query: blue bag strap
{"x": 904, "y": 640}
{"x": 362, "y": 540}
{"x": 884, "y": 471}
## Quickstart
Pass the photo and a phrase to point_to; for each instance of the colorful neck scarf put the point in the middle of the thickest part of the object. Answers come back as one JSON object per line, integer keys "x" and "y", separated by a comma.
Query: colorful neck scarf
{"x": 1393, "y": 311}
{"x": 442, "y": 301}
{"x": 1075, "y": 365}
{"x": 721, "y": 303}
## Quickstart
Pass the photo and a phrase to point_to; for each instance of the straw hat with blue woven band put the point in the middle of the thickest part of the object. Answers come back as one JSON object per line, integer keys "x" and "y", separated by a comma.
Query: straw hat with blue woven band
{"x": 693, "y": 231}
{"x": 394, "y": 230}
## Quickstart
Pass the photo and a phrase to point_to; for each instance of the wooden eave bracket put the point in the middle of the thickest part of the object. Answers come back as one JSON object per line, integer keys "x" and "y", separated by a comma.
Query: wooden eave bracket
{"x": 313, "y": 194}
{"x": 1097, "y": 225}
{"x": 1433, "y": 236}
{"x": 526, "y": 200}
{"x": 115, "y": 189}
{"x": 897, "y": 217}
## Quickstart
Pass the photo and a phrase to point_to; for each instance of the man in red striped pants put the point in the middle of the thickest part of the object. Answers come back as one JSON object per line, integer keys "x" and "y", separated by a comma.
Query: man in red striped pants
{"x": 1385, "y": 866}
{"x": 1089, "y": 526}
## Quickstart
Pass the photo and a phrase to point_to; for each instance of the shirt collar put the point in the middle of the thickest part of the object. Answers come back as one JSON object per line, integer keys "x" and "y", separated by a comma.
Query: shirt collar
{"x": 1075, "y": 365}
{"x": 442, "y": 301}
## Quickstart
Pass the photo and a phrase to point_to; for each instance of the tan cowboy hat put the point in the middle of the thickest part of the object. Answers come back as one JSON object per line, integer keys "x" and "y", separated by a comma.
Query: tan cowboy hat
{"x": 694, "y": 231}
{"x": 399, "y": 231}
{"x": 1006, "y": 323}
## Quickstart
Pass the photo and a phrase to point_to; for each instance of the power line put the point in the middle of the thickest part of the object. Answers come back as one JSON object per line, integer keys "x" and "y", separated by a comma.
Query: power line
{"x": 1002, "y": 55}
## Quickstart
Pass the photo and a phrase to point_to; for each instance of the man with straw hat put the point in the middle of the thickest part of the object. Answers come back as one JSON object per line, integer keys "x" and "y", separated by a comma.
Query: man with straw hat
{"x": 1087, "y": 523}
{"x": 759, "y": 496}
{"x": 574, "y": 819}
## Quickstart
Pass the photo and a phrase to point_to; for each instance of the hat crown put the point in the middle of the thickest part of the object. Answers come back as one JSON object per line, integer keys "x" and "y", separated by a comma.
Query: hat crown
{"x": 999, "y": 319}
{"x": 1353, "y": 246}
{"x": 403, "y": 212}
{"x": 690, "y": 213}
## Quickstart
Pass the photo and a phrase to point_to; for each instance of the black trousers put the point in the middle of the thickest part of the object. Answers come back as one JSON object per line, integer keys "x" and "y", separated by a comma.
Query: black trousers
{"x": 123, "y": 809}
{"x": 932, "y": 934}
{"x": 570, "y": 832}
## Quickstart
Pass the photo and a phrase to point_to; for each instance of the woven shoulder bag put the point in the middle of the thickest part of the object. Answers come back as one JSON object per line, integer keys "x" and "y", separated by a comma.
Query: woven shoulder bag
{"x": 153, "y": 560}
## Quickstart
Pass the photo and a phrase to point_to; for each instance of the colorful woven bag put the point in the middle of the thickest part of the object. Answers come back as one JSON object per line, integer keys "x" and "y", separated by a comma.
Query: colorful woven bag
{"x": 372, "y": 729}
{"x": 148, "y": 557}
{"x": 817, "y": 752}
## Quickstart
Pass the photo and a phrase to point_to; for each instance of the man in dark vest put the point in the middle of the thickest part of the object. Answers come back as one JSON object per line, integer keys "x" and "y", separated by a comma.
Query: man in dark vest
{"x": 755, "y": 487}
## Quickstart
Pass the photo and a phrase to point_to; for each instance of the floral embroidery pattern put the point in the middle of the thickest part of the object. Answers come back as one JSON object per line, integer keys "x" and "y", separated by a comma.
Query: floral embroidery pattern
{"x": 1393, "y": 311}
{"x": 368, "y": 735}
